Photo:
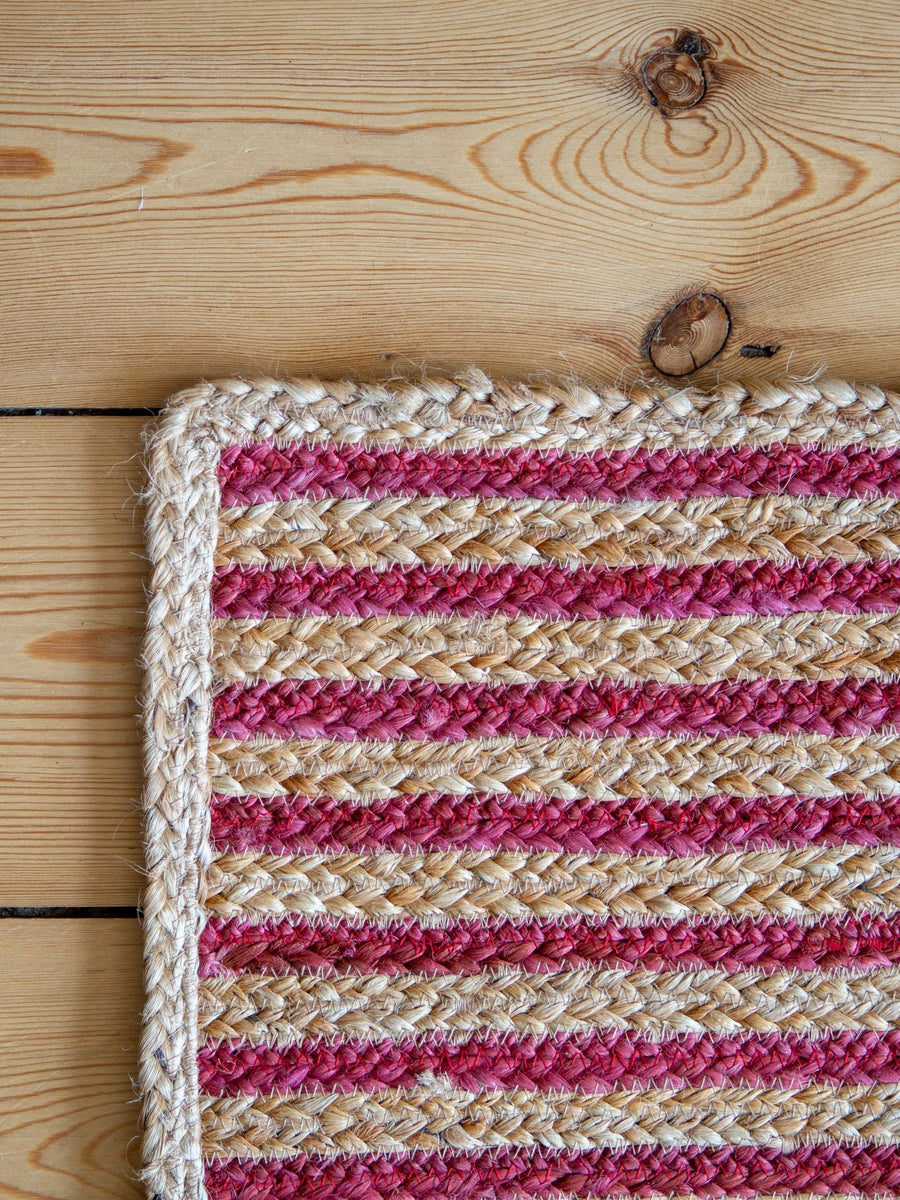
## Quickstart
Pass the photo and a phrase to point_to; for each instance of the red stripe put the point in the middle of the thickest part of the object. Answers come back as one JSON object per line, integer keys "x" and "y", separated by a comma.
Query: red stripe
{"x": 262, "y": 472}
{"x": 512, "y": 1174}
{"x": 425, "y": 711}
{"x": 287, "y": 945}
{"x": 302, "y": 825}
{"x": 595, "y": 1062}
{"x": 581, "y": 593}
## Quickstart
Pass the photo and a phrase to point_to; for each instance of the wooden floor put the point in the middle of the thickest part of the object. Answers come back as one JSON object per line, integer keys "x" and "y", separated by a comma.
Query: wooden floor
{"x": 215, "y": 189}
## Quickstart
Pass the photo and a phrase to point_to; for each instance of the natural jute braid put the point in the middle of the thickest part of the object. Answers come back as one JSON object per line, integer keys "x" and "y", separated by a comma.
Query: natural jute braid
{"x": 503, "y": 650}
{"x": 431, "y": 1117}
{"x": 518, "y": 886}
{"x": 669, "y": 767}
{"x": 664, "y": 1003}
{"x": 375, "y": 533}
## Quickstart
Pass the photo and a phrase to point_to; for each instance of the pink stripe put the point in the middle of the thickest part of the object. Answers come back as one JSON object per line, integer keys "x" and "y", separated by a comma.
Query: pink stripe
{"x": 513, "y": 1174}
{"x": 424, "y": 711}
{"x": 262, "y": 472}
{"x": 286, "y": 945}
{"x": 596, "y": 1062}
{"x": 301, "y": 825}
{"x": 581, "y": 593}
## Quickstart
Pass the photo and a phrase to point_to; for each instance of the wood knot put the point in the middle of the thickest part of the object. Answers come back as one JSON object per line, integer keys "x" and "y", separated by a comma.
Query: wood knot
{"x": 689, "y": 335}
{"x": 675, "y": 77}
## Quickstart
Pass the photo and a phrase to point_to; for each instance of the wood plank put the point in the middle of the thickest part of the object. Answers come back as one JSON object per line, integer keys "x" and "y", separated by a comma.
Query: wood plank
{"x": 71, "y": 613}
{"x": 218, "y": 188}
{"x": 70, "y": 1002}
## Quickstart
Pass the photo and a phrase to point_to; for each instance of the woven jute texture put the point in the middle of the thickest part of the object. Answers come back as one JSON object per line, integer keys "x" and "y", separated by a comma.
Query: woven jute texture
{"x": 523, "y": 792}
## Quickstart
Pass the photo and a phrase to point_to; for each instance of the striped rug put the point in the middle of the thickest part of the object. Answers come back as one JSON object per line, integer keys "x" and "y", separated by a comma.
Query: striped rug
{"x": 523, "y": 793}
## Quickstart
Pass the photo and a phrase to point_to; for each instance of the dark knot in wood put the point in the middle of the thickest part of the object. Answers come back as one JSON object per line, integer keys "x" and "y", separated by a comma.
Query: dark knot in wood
{"x": 689, "y": 335}
{"x": 675, "y": 77}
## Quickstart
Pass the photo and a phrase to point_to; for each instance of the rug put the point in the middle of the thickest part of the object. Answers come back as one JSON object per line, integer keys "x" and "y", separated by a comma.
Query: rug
{"x": 522, "y": 792}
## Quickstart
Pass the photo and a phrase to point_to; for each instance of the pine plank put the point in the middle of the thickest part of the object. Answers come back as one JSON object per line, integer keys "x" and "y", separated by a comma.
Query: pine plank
{"x": 71, "y": 613}
{"x": 219, "y": 188}
{"x": 70, "y": 1002}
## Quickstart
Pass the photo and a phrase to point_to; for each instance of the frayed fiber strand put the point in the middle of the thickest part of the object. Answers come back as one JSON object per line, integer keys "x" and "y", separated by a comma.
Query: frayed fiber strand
{"x": 523, "y": 793}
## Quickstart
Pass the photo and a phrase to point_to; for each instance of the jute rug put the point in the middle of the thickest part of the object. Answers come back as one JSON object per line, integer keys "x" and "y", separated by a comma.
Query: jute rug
{"x": 523, "y": 793}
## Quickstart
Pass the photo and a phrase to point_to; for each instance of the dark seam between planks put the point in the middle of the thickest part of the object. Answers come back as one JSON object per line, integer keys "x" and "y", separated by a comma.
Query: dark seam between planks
{"x": 42, "y": 411}
{"x": 68, "y": 911}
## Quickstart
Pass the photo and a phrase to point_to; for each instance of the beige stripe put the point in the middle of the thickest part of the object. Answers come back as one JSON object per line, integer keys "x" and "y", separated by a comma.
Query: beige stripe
{"x": 504, "y": 650}
{"x": 658, "y": 1004}
{"x": 474, "y": 411}
{"x": 567, "y": 768}
{"x": 805, "y": 883}
{"x": 436, "y": 1117}
{"x": 363, "y": 532}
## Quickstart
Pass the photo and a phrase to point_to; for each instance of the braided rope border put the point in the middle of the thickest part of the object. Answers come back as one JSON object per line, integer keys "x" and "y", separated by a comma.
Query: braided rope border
{"x": 182, "y": 507}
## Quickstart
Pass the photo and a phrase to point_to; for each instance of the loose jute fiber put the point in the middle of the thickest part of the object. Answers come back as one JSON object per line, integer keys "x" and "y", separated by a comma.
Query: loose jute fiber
{"x": 523, "y": 793}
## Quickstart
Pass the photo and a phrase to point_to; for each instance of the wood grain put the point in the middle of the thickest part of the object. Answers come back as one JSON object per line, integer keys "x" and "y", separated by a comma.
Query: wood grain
{"x": 70, "y": 1001}
{"x": 218, "y": 188}
{"x": 71, "y": 613}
